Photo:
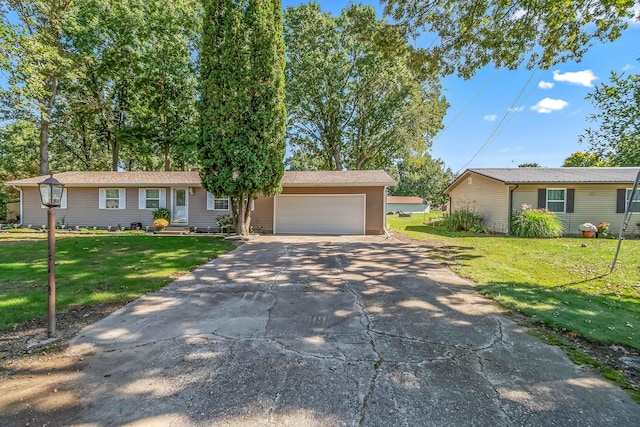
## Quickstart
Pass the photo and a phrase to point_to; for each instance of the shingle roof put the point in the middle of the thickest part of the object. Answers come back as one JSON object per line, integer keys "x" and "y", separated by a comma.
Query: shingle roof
{"x": 560, "y": 175}
{"x": 510, "y": 176}
{"x": 290, "y": 179}
{"x": 337, "y": 178}
{"x": 404, "y": 199}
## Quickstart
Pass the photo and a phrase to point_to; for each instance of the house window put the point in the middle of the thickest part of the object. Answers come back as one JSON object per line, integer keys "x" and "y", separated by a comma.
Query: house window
{"x": 217, "y": 203}
{"x": 112, "y": 198}
{"x": 152, "y": 198}
{"x": 635, "y": 204}
{"x": 556, "y": 200}
{"x": 63, "y": 201}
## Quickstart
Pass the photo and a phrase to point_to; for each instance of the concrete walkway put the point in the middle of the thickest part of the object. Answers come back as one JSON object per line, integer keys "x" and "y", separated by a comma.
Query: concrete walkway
{"x": 304, "y": 331}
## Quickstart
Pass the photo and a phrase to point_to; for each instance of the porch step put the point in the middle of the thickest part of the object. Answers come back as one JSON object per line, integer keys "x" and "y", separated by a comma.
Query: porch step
{"x": 173, "y": 231}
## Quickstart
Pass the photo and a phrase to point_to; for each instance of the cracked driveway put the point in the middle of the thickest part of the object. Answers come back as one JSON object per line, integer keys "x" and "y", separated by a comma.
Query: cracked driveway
{"x": 305, "y": 331}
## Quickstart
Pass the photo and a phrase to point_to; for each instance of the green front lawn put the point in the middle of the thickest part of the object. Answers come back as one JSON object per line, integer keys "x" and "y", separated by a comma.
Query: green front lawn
{"x": 557, "y": 281}
{"x": 92, "y": 269}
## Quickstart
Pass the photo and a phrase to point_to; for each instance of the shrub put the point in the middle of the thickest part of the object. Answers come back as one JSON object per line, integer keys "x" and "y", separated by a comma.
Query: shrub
{"x": 161, "y": 213}
{"x": 160, "y": 223}
{"x": 225, "y": 221}
{"x": 539, "y": 223}
{"x": 463, "y": 220}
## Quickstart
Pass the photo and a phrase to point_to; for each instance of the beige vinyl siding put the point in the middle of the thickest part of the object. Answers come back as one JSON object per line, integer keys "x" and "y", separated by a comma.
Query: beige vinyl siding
{"x": 486, "y": 197}
{"x": 262, "y": 215}
{"x": 594, "y": 203}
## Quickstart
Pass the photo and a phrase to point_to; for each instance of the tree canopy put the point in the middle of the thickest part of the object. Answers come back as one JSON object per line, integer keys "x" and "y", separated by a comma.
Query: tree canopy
{"x": 242, "y": 111}
{"x": 580, "y": 159}
{"x": 353, "y": 99}
{"x": 615, "y": 138}
{"x": 464, "y": 36}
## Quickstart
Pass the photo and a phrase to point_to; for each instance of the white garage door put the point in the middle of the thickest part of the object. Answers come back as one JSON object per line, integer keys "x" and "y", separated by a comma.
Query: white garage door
{"x": 320, "y": 214}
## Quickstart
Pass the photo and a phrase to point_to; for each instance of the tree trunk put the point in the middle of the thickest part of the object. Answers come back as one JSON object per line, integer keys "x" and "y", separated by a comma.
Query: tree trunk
{"x": 167, "y": 156}
{"x": 242, "y": 214}
{"x": 45, "y": 123}
{"x": 115, "y": 154}
{"x": 44, "y": 145}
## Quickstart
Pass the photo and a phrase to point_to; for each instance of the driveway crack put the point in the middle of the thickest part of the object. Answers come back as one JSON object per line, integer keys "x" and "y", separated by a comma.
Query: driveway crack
{"x": 371, "y": 334}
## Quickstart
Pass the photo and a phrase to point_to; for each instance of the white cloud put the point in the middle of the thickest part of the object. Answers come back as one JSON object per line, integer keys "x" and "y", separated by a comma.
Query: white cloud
{"x": 516, "y": 109}
{"x": 545, "y": 85}
{"x": 627, "y": 67}
{"x": 490, "y": 118}
{"x": 582, "y": 78}
{"x": 548, "y": 105}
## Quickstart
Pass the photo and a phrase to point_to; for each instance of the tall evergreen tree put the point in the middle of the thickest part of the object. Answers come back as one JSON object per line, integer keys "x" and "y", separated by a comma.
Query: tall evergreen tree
{"x": 242, "y": 112}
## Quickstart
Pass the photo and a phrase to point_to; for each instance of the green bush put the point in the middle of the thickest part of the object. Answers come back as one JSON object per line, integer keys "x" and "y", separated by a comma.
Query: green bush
{"x": 536, "y": 223}
{"x": 463, "y": 220}
{"x": 162, "y": 213}
{"x": 225, "y": 222}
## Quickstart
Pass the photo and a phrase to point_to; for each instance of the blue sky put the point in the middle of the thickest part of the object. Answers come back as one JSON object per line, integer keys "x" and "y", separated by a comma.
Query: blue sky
{"x": 548, "y": 118}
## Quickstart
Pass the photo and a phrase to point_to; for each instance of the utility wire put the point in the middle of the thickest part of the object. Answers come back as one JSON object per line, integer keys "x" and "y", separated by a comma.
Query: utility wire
{"x": 502, "y": 120}
{"x": 468, "y": 104}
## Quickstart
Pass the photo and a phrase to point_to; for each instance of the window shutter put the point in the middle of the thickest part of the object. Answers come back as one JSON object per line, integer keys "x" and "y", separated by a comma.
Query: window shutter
{"x": 209, "y": 201}
{"x": 163, "y": 198}
{"x": 571, "y": 195}
{"x": 102, "y": 199}
{"x": 542, "y": 198}
{"x": 142, "y": 198}
{"x": 621, "y": 200}
{"x": 123, "y": 198}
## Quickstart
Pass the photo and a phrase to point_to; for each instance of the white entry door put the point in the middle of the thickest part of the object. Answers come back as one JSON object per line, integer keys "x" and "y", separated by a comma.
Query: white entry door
{"x": 180, "y": 206}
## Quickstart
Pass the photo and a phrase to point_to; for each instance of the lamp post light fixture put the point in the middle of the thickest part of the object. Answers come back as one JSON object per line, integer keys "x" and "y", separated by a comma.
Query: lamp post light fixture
{"x": 51, "y": 196}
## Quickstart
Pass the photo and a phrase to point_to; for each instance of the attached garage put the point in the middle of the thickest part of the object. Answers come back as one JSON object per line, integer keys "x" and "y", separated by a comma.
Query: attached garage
{"x": 320, "y": 214}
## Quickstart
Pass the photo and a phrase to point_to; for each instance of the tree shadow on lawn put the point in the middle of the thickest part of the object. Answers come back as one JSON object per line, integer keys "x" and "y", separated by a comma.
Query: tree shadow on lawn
{"x": 439, "y": 231}
{"x": 602, "y": 318}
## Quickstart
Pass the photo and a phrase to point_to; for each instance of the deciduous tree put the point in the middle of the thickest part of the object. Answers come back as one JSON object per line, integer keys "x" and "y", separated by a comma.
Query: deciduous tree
{"x": 354, "y": 100}
{"x": 465, "y": 35}
{"x": 615, "y": 138}
{"x": 242, "y": 111}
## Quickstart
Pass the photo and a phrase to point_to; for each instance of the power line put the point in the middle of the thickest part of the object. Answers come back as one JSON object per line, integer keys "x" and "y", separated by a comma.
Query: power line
{"x": 504, "y": 117}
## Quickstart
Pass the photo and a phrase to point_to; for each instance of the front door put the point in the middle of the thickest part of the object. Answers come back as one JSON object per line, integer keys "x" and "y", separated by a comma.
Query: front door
{"x": 180, "y": 211}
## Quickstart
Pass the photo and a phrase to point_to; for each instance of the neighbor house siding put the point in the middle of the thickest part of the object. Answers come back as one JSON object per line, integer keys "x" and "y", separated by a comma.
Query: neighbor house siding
{"x": 593, "y": 203}
{"x": 405, "y": 207}
{"x": 486, "y": 197}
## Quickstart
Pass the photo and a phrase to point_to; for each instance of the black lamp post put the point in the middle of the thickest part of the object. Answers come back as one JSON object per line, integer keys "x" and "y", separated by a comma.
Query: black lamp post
{"x": 51, "y": 196}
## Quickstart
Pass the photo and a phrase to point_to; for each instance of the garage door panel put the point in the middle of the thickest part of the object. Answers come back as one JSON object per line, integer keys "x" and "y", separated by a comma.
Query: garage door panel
{"x": 320, "y": 214}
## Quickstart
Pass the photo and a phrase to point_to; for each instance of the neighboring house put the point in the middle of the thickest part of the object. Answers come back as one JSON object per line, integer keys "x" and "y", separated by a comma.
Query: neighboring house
{"x": 327, "y": 202}
{"x": 577, "y": 195}
{"x": 405, "y": 204}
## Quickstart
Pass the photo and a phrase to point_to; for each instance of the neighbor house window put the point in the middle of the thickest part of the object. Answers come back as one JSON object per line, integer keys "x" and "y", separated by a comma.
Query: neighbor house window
{"x": 217, "y": 203}
{"x": 635, "y": 204}
{"x": 112, "y": 198}
{"x": 152, "y": 198}
{"x": 556, "y": 199}
{"x": 63, "y": 201}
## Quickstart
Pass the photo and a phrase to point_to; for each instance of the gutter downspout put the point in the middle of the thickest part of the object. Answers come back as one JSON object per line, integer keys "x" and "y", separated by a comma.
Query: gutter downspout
{"x": 510, "y": 208}
{"x": 21, "y": 202}
{"x": 384, "y": 221}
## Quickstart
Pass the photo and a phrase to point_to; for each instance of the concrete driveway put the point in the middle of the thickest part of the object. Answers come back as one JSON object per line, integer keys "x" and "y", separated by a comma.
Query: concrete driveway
{"x": 305, "y": 331}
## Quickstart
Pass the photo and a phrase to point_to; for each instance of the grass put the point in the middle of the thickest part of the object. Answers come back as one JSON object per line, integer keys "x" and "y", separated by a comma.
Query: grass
{"x": 557, "y": 281}
{"x": 92, "y": 269}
